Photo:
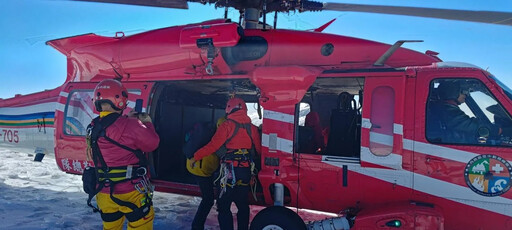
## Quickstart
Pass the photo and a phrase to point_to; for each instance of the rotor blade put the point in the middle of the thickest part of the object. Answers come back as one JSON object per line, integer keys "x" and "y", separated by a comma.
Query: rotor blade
{"x": 178, "y": 4}
{"x": 491, "y": 17}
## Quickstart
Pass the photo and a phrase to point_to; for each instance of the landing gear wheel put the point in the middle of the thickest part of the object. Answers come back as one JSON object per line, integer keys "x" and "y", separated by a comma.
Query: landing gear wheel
{"x": 277, "y": 218}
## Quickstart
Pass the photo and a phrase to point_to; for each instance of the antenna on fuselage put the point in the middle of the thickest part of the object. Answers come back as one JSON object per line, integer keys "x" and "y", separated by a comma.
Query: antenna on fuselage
{"x": 226, "y": 10}
{"x": 275, "y": 20}
{"x": 391, "y": 50}
{"x": 264, "y": 15}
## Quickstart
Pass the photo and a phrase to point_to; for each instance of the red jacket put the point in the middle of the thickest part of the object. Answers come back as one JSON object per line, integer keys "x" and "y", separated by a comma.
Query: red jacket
{"x": 132, "y": 133}
{"x": 313, "y": 120}
{"x": 240, "y": 141}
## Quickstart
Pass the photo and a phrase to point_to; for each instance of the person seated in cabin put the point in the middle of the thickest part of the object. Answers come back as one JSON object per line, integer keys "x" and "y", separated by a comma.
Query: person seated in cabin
{"x": 454, "y": 125}
{"x": 313, "y": 138}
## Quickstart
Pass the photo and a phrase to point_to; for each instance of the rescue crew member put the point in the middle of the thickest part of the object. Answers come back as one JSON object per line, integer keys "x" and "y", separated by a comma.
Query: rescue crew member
{"x": 240, "y": 138}
{"x": 135, "y": 132}
{"x": 203, "y": 172}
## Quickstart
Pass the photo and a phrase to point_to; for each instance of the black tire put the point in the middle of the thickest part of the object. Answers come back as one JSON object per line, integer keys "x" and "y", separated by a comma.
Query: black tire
{"x": 278, "y": 217}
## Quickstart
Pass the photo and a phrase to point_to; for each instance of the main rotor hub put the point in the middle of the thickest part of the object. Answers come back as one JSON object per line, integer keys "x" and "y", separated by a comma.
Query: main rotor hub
{"x": 267, "y": 5}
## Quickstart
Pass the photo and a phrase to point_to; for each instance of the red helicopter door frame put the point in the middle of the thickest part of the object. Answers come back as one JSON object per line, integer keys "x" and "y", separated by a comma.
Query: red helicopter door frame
{"x": 440, "y": 167}
{"x": 281, "y": 89}
{"x": 382, "y": 122}
{"x": 76, "y": 112}
{"x": 382, "y": 131}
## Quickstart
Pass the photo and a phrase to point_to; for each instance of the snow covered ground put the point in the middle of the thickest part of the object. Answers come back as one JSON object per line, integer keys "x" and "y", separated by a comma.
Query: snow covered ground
{"x": 38, "y": 195}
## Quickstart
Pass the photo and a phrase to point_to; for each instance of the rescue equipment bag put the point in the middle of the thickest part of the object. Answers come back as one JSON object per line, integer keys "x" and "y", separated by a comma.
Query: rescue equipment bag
{"x": 105, "y": 176}
{"x": 89, "y": 180}
{"x": 205, "y": 167}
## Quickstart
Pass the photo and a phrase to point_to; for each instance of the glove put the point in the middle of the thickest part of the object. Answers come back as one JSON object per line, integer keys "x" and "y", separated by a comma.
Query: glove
{"x": 192, "y": 162}
{"x": 144, "y": 117}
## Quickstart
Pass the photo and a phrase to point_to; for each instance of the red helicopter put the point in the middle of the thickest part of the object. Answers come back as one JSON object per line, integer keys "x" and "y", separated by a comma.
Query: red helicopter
{"x": 385, "y": 158}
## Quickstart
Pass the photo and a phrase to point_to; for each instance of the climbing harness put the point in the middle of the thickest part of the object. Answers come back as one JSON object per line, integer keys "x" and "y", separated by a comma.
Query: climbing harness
{"x": 237, "y": 165}
{"x": 111, "y": 176}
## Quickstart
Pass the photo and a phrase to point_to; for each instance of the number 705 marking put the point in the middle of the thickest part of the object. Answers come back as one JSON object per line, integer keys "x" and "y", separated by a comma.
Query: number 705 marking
{"x": 10, "y": 135}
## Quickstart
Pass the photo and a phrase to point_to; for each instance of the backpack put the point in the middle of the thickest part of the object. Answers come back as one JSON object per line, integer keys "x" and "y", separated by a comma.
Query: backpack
{"x": 196, "y": 138}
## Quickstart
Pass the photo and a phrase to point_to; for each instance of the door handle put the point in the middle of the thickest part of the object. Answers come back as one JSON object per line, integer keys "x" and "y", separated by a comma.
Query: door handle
{"x": 436, "y": 165}
{"x": 434, "y": 160}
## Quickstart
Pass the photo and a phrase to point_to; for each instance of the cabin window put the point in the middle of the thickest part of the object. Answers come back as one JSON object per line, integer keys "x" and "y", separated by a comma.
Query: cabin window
{"x": 382, "y": 115}
{"x": 328, "y": 119}
{"x": 79, "y": 112}
{"x": 304, "y": 109}
{"x": 305, "y": 134}
{"x": 255, "y": 114}
{"x": 463, "y": 111}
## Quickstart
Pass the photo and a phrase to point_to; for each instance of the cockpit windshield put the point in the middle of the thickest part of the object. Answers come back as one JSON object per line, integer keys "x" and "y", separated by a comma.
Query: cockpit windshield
{"x": 464, "y": 111}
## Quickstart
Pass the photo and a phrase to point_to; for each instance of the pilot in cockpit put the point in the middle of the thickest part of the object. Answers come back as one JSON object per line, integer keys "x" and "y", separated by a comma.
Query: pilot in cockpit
{"x": 454, "y": 125}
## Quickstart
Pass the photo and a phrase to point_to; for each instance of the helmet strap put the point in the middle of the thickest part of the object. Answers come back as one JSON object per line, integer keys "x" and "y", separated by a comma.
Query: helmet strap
{"x": 234, "y": 110}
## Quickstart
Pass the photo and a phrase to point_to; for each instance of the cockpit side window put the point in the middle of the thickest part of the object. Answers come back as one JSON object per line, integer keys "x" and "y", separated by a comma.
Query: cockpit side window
{"x": 79, "y": 112}
{"x": 463, "y": 111}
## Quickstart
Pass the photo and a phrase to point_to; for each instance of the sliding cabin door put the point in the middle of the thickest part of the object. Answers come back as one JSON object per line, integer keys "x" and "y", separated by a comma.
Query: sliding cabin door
{"x": 382, "y": 159}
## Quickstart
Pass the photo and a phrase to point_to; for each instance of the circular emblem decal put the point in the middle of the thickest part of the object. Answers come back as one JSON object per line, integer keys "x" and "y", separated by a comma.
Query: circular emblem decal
{"x": 488, "y": 175}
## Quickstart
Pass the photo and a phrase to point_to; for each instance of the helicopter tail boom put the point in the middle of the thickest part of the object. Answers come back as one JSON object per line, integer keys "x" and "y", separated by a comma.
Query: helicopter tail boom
{"x": 66, "y": 45}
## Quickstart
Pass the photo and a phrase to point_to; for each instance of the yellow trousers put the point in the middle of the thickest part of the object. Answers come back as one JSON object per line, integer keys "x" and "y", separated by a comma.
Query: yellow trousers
{"x": 107, "y": 205}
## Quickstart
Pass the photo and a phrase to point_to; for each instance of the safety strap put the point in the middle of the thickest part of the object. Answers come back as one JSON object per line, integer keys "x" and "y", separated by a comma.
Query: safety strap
{"x": 247, "y": 127}
{"x": 111, "y": 217}
{"x": 137, "y": 152}
{"x": 121, "y": 174}
{"x": 94, "y": 132}
{"x": 252, "y": 152}
{"x": 225, "y": 171}
{"x": 222, "y": 151}
{"x": 115, "y": 175}
{"x": 234, "y": 132}
{"x": 130, "y": 205}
